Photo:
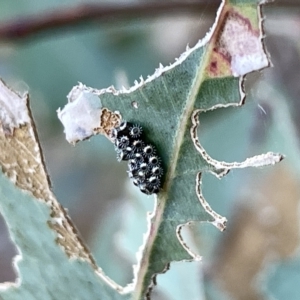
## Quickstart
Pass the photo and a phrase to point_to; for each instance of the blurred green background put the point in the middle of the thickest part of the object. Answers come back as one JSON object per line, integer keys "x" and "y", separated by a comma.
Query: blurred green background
{"x": 257, "y": 257}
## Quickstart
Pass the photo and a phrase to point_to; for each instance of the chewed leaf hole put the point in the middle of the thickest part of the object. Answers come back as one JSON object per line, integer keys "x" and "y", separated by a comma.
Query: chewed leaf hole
{"x": 7, "y": 252}
{"x": 224, "y": 127}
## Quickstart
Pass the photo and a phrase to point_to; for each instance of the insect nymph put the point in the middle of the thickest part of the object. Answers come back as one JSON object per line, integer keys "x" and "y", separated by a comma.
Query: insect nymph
{"x": 144, "y": 165}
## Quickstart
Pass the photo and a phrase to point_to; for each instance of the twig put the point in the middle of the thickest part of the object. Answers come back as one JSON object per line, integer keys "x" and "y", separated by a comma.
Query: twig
{"x": 61, "y": 20}
{"x": 30, "y": 26}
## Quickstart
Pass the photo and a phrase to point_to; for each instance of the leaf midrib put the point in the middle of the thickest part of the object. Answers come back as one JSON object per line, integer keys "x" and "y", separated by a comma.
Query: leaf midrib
{"x": 162, "y": 197}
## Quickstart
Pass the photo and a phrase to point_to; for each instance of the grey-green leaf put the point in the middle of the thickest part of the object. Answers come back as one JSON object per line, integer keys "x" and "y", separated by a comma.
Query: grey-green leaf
{"x": 167, "y": 105}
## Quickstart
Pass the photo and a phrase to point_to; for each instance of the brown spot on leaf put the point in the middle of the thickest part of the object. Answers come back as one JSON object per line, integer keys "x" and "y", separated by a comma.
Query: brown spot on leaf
{"x": 213, "y": 67}
{"x": 219, "y": 65}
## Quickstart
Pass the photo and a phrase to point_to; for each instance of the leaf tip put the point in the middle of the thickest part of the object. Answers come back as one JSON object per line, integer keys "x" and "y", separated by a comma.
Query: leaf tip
{"x": 220, "y": 223}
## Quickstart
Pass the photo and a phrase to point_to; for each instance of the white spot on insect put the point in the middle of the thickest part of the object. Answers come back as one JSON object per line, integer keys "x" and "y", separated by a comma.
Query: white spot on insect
{"x": 148, "y": 150}
{"x": 138, "y": 145}
{"x": 135, "y": 131}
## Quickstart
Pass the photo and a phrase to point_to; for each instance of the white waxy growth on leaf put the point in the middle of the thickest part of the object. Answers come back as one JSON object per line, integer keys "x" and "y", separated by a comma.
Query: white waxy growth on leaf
{"x": 81, "y": 116}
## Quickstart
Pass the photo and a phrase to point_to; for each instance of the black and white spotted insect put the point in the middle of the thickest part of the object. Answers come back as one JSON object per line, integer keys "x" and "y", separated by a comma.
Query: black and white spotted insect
{"x": 144, "y": 165}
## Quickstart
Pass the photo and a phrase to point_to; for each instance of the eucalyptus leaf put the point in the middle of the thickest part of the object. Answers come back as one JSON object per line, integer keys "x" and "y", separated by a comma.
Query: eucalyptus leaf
{"x": 53, "y": 262}
{"x": 167, "y": 105}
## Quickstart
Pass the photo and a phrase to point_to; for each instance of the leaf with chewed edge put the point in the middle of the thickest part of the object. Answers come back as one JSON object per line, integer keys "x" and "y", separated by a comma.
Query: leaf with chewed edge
{"x": 167, "y": 105}
{"x": 53, "y": 263}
